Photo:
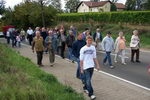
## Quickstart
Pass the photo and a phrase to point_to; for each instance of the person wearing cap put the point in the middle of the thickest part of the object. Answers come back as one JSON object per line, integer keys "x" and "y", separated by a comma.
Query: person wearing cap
{"x": 97, "y": 36}
{"x": 108, "y": 47}
{"x": 69, "y": 41}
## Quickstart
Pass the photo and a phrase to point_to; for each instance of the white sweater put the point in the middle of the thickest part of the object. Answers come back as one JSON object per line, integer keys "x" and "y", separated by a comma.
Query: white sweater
{"x": 134, "y": 42}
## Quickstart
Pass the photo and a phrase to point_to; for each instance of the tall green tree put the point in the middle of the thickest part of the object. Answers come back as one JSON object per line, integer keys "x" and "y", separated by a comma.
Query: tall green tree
{"x": 29, "y": 14}
{"x": 56, "y": 4}
{"x": 113, "y": 7}
{"x": 2, "y": 6}
{"x": 146, "y": 5}
{"x": 138, "y": 4}
{"x": 71, "y": 5}
{"x": 114, "y": 1}
{"x": 95, "y": 0}
{"x": 131, "y": 5}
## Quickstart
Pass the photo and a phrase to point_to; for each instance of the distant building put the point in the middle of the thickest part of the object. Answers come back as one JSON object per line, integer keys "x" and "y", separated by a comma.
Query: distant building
{"x": 102, "y": 6}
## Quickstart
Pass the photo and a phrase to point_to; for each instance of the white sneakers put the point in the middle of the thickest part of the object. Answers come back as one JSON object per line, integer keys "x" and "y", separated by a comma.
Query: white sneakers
{"x": 93, "y": 97}
{"x": 86, "y": 91}
{"x": 115, "y": 61}
{"x": 112, "y": 67}
{"x": 122, "y": 62}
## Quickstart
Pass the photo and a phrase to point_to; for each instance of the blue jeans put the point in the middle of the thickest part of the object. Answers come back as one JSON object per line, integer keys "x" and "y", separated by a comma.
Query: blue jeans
{"x": 70, "y": 53}
{"x": 107, "y": 56}
{"x": 88, "y": 76}
{"x": 78, "y": 73}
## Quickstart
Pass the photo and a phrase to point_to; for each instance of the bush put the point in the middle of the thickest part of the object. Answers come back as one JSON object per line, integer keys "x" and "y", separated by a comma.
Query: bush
{"x": 131, "y": 17}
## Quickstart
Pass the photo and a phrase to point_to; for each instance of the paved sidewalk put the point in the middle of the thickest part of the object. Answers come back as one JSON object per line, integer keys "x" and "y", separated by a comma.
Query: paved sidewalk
{"x": 106, "y": 87}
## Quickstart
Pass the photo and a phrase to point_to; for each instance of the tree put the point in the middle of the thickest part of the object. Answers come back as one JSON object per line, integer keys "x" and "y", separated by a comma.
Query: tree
{"x": 2, "y": 6}
{"x": 131, "y": 4}
{"x": 146, "y": 5}
{"x": 138, "y": 4}
{"x": 114, "y": 1}
{"x": 95, "y": 0}
{"x": 71, "y": 5}
{"x": 28, "y": 14}
{"x": 56, "y": 4}
{"x": 113, "y": 7}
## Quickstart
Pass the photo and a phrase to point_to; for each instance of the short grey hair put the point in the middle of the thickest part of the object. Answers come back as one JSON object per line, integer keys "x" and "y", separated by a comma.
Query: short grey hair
{"x": 135, "y": 31}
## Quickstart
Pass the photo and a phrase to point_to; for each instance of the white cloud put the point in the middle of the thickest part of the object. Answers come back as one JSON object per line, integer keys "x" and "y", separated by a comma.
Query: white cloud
{"x": 12, "y": 3}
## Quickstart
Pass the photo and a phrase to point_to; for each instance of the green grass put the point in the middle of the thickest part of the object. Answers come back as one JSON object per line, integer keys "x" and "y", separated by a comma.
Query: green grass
{"x": 20, "y": 79}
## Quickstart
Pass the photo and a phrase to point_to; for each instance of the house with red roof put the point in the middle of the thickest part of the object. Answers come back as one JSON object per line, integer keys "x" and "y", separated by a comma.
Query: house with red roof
{"x": 101, "y": 6}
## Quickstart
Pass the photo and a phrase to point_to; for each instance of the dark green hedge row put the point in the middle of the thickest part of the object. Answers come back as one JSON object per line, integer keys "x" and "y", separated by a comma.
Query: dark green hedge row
{"x": 131, "y": 17}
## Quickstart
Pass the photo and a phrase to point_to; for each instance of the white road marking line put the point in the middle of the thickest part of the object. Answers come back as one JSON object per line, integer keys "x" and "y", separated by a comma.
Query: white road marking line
{"x": 116, "y": 77}
{"x": 124, "y": 80}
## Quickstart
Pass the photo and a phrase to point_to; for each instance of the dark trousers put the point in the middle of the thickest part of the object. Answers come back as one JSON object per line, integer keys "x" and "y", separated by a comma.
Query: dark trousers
{"x": 30, "y": 38}
{"x": 39, "y": 57}
{"x": 79, "y": 75}
{"x": 51, "y": 55}
{"x": 133, "y": 52}
{"x": 63, "y": 49}
{"x": 8, "y": 40}
{"x": 14, "y": 41}
{"x": 108, "y": 57}
{"x": 88, "y": 73}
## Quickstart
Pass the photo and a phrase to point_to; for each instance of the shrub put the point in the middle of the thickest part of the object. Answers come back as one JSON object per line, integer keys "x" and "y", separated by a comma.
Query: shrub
{"x": 131, "y": 17}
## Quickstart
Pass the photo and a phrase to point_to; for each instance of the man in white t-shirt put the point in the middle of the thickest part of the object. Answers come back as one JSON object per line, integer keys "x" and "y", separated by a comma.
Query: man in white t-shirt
{"x": 87, "y": 59}
{"x": 30, "y": 35}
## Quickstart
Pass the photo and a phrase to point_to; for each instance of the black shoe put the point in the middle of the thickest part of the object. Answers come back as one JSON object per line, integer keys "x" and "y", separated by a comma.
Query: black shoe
{"x": 138, "y": 61}
{"x": 132, "y": 61}
{"x": 112, "y": 67}
{"x": 41, "y": 65}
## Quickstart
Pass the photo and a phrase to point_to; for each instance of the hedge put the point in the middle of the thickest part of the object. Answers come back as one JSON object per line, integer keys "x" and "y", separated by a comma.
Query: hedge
{"x": 131, "y": 17}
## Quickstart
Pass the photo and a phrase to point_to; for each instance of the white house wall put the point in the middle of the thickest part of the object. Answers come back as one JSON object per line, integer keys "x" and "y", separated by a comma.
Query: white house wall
{"x": 107, "y": 7}
{"x": 83, "y": 8}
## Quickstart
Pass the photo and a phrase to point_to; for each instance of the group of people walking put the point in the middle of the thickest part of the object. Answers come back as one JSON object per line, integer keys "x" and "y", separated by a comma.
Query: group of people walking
{"x": 81, "y": 48}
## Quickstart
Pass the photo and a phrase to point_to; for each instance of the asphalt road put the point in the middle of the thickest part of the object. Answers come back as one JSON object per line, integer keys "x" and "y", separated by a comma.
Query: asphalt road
{"x": 134, "y": 72}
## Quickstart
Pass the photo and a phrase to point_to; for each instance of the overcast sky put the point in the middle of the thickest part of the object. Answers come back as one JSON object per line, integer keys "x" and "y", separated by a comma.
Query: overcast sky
{"x": 11, "y": 3}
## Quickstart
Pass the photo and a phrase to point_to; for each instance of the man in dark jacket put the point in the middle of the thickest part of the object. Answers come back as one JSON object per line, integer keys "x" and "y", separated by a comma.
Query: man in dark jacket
{"x": 77, "y": 45}
{"x": 69, "y": 41}
{"x": 44, "y": 34}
